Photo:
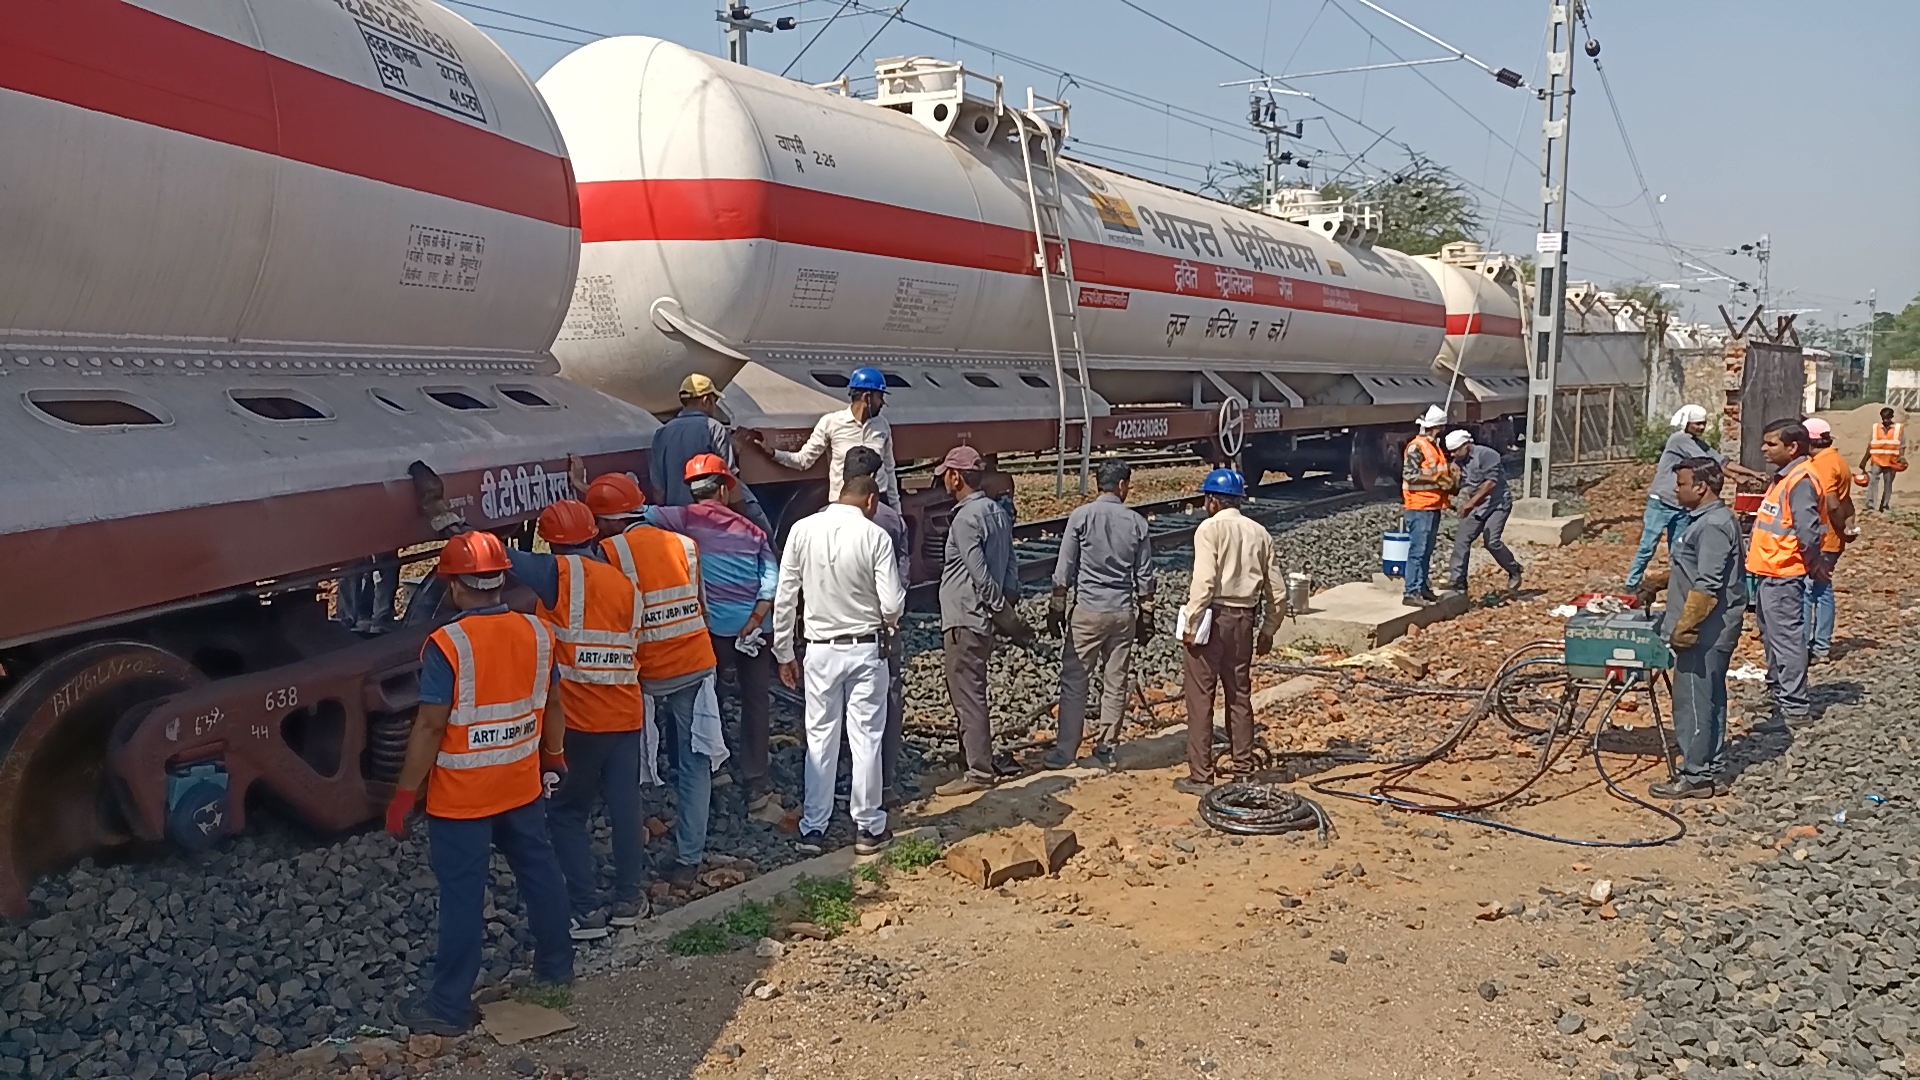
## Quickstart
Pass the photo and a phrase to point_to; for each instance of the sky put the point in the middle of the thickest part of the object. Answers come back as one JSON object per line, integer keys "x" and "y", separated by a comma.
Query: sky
{"x": 1778, "y": 118}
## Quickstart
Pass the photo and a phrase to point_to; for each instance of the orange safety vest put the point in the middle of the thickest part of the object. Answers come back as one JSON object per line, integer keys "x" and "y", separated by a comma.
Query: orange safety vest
{"x": 1836, "y": 480}
{"x": 665, "y": 567}
{"x": 1888, "y": 445}
{"x": 596, "y": 632}
{"x": 1773, "y": 550}
{"x": 1430, "y": 459}
{"x": 487, "y": 763}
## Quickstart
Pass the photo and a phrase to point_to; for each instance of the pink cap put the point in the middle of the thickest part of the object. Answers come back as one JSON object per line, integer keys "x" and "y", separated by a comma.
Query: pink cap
{"x": 961, "y": 459}
{"x": 1818, "y": 428}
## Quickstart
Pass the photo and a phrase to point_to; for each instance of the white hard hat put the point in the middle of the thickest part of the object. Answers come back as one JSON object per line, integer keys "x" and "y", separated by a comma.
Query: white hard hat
{"x": 1689, "y": 414}
{"x": 1457, "y": 439}
{"x": 1435, "y": 416}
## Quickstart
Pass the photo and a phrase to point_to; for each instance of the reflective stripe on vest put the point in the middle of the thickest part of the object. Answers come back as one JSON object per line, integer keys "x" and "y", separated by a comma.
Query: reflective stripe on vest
{"x": 1889, "y": 443}
{"x": 501, "y": 670}
{"x": 673, "y": 636}
{"x": 1424, "y": 498}
{"x": 600, "y": 655}
{"x": 1774, "y": 548}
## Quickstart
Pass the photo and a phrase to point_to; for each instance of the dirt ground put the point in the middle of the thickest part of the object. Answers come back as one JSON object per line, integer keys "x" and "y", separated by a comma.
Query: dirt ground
{"x": 1409, "y": 946}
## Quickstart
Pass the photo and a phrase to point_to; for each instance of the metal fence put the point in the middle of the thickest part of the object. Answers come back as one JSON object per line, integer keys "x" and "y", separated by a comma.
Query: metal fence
{"x": 1597, "y": 424}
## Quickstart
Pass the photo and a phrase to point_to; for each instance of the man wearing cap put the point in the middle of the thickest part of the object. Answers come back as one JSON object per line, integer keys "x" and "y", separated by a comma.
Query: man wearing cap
{"x": 676, "y": 655}
{"x": 1664, "y": 514}
{"x": 1232, "y": 612}
{"x": 1427, "y": 481}
{"x": 697, "y": 429}
{"x": 865, "y": 461}
{"x": 488, "y": 738}
{"x": 1886, "y": 458}
{"x": 979, "y": 584}
{"x": 859, "y": 424}
{"x": 739, "y": 571}
{"x": 1484, "y": 513}
{"x": 839, "y": 565}
{"x": 1830, "y": 469}
{"x": 1106, "y": 560}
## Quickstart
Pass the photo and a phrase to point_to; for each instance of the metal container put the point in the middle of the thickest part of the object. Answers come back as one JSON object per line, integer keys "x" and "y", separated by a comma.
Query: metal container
{"x": 728, "y": 212}
{"x": 1627, "y": 640}
{"x": 1299, "y": 592}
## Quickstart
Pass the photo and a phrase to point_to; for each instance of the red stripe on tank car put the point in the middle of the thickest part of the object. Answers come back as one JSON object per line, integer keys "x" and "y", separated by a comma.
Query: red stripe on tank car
{"x": 1482, "y": 323}
{"x": 712, "y": 209}
{"x": 112, "y": 57}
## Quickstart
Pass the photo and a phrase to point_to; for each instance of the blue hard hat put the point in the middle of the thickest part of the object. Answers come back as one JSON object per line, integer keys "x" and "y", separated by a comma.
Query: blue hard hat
{"x": 866, "y": 378}
{"x": 1224, "y": 482}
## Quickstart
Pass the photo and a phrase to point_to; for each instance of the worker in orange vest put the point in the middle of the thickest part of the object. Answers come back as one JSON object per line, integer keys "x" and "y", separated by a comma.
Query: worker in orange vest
{"x": 1428, "y": 479}
{"x": 676, "y": 655}
{"x": 1886, "y": 458}
{"x": 487, "y": 739}
{"x": 1783, "y": 552}
{"x": 1836, "y": 487}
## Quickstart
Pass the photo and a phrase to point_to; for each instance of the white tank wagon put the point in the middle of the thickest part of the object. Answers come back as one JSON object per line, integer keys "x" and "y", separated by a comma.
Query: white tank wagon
{"x": 261, "y": 254}
{"x": 739, "y": 224}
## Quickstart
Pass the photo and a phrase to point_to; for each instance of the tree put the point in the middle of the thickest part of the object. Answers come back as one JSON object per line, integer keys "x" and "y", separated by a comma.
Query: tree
{"x": 1423, "y": 206}
{"x": 1650, "y": 298}
{"x": 1897, "y": 337}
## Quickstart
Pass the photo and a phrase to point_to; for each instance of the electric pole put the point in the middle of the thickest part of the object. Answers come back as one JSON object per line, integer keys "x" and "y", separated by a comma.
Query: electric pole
{"x": 1550, "y": 305}
{"x": 740, "y": 21}
{"x": 1873, "y": 296}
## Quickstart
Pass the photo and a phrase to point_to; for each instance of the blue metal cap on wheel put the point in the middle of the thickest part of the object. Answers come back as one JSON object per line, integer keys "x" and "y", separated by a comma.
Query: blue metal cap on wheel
{"x": 867, "y": 378}
{"x": 1224, "y": 482}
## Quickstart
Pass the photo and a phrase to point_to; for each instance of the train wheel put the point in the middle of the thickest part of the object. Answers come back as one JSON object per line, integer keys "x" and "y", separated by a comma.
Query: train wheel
{"x": 1363, "y": 462}
{"x": 56, "y": 804}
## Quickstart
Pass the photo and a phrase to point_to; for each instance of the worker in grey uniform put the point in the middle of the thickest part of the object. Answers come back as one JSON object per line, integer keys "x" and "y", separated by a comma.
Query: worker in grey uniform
{"x": 1706, "y": 605}
{"x": 1784, "y": 554}
{"x": 1484, "y": 513}
{"x": 697, "y": 429}
{"x": 1107, "y": 561}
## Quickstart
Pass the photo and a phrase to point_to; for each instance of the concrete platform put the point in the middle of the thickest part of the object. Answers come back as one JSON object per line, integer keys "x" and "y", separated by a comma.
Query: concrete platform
{"x": 1362, "y": 615}
{"x": 1545, "y": 532}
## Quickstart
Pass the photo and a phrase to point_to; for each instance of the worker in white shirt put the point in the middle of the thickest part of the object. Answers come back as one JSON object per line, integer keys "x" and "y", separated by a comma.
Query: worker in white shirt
{"x": 859, "y": 424}
{"x": 842, "y": 566}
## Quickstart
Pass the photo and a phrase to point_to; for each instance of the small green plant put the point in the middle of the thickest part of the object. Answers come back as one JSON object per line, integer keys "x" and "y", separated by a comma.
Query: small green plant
{"x": 868, "y": 872}
{"x": 1649, "y": 438}
{"x": 913, "y": 853}
{"x": 750, "y": 921}
{"x": 828, "y": 902}
{"x": 546, "y": 995}
{"x": 700, "y": 939}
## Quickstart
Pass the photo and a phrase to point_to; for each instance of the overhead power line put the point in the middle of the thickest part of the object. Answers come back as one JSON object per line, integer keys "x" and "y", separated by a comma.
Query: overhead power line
{"x": 844, "y": 4}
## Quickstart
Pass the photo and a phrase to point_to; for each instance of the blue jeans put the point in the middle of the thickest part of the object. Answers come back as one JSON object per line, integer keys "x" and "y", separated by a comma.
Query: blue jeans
{"x": 1818, "y": 611}
{"x": 600, "y": 765}
{"x": 461, "y": 851}
{"x": 1659, "y": 518}
{"x": 1424, "y": 527}
{"x": 692, "y": 775}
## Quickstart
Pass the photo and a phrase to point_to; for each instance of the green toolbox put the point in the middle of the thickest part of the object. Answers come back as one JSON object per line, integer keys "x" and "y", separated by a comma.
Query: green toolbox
{"x": 1627, "y": 639}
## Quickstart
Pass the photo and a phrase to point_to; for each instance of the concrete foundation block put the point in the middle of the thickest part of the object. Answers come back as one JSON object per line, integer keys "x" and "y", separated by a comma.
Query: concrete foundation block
{"x": 1361, "y": 615}
{"x": 1545, "y": 532}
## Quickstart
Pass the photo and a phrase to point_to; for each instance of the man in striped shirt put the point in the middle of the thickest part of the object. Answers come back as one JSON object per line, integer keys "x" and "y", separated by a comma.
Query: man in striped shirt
{"x": 739, "y": 571}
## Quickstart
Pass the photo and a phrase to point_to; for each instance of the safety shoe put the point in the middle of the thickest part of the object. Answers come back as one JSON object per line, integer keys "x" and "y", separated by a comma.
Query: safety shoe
{"x": 1054, "y": 764}
{"x": 683, "y": 875}
{"x": 1104, "y": 757}
{"x": 963, "y": 785}
{"x": 811, "y": 843}
{"x": 629, "y": 912}
{"x": 1189, "y": 786}
{"x": 588, "y": 927}
{"x": 1683, "y": 789}
{"x": 867, "y": 843}
{"x": 1429, "y": 596}
{"x": 1415, "y": 600}
{"x": 759, "y": 793}
{"x": 1818, "y": 658}
{"x": 421, "y": 1020}
{"x": 1454, "y": 586}
{"x": 1513, "y": 581}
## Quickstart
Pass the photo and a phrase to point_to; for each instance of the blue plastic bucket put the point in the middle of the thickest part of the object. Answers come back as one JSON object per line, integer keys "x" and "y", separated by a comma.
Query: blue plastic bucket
{"x": 1395, "y": 549}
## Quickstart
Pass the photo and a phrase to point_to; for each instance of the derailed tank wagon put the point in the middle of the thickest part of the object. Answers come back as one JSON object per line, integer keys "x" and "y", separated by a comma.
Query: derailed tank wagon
{"x": 260, "y": 255}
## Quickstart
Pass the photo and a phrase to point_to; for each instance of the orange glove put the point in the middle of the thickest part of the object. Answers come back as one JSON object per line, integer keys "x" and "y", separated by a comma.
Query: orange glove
{"x": 397, "y": 809}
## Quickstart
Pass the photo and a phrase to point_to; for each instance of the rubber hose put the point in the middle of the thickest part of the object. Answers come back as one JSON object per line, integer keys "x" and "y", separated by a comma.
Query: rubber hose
{"x": 1245, "y": 808}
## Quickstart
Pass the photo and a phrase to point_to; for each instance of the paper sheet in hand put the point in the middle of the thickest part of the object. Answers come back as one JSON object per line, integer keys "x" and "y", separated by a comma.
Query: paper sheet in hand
{"x": 1201, "y": 634}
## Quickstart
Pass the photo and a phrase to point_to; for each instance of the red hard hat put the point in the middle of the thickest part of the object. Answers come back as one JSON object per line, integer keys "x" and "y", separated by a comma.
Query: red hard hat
{"x": 474, "y": 554}
{"x": 1860, "y": 479}
{"x": 613, "y": 495}
{"x": 568, "y": 522}
{"x": 700, "y": 465}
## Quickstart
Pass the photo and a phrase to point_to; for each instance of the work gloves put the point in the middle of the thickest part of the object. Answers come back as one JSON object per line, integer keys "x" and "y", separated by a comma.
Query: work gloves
{"x": 1057, "y": 615}
{"x": 1650, "y": 586}
{"x": 1143, "y": 627}
{"x": 397, "y": 810}
{"x": 1008, "y": 624}
{"x": 1686, "y": 631}
{"x": 553, "y": 773}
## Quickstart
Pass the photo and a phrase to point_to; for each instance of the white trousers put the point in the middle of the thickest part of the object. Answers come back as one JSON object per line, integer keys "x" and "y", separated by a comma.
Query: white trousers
{"x": 846, "y": 686}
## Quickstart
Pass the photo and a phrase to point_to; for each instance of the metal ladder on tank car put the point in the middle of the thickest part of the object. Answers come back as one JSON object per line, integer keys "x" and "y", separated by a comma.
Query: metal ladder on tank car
{"x": 1040, "y": 158}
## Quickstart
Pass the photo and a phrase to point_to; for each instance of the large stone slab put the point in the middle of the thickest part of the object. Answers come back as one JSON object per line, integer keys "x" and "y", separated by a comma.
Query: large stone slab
{"x": 1362, "y": 615}
{"x": 1545, "y": 532}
